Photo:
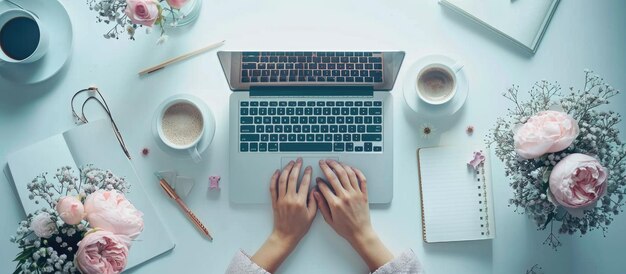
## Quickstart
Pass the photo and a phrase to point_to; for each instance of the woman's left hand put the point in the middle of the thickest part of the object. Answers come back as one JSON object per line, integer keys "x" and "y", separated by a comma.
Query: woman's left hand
{"x": 293, "y": 215}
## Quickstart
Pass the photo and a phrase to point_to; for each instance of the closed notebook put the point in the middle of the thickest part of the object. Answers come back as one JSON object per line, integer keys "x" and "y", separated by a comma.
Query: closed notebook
{"x": 456, "y": 200}
{"x": 523, "y": 22}
{"x": 92, "y": 143}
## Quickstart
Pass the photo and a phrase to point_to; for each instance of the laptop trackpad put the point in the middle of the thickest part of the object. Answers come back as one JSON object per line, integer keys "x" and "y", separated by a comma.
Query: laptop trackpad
{"x": 314, "y": 162}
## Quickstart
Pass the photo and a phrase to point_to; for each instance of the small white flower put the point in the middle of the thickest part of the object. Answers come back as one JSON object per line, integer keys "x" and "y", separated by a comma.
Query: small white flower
{"x": 43, "y": 225}
{"x": 162, "y": 39}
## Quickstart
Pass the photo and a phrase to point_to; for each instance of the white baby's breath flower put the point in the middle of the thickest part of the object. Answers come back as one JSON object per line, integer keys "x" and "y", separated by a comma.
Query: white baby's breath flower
{"x": 162, "y": 39}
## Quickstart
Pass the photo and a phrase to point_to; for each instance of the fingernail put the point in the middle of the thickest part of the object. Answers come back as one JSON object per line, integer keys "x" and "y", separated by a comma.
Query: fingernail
{"x": 308, "y": 168}
{"x": 299, "y": 160}
{"x": 322, "y": 162}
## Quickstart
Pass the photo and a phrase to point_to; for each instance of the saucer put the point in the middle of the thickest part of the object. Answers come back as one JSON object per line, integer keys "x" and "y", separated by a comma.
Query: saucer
{"x": 423, "y": 108}
{"x": 209, "y": 126}
{"x": 53, "y": 14}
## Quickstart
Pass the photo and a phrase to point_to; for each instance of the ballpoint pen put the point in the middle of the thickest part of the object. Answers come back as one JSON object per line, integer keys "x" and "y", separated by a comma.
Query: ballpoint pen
{"x": 192, "y": 217}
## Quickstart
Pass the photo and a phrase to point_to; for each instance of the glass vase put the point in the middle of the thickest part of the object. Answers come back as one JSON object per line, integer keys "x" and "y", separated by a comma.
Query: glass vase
{"x": 180, "y": 17}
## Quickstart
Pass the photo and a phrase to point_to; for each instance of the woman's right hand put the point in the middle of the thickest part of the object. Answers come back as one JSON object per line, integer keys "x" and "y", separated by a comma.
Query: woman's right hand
{"x": 345, "y": 208}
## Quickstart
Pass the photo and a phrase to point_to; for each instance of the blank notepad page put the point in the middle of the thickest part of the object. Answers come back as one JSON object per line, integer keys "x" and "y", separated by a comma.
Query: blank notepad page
{"x": 456, "y": 200}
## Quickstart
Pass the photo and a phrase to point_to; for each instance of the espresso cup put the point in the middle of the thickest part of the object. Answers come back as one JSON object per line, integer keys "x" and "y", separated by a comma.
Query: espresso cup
{"x": 23, "y": 38}
{"x": 181, "y": 126}
{"x": 437, "y": 83}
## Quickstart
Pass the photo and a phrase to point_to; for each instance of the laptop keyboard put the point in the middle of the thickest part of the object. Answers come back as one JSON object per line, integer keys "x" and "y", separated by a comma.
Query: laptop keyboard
{"x": 316, "y": 67}
{"x": 310, "y": 126}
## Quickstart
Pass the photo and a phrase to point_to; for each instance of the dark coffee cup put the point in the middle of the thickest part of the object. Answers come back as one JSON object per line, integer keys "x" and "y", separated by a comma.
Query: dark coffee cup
{"x": 23, "y": 38}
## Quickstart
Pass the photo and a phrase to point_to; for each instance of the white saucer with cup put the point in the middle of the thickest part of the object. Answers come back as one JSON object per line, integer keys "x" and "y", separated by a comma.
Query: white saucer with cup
{"x": 57, "y": 26}
{"x": 435, "y": 86}
{"x": 184, "y": 126}
{"x": 23, "y": 38}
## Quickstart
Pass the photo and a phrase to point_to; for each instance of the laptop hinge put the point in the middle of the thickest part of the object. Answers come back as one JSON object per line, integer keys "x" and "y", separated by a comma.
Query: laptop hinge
{"x": 290, "y": 91}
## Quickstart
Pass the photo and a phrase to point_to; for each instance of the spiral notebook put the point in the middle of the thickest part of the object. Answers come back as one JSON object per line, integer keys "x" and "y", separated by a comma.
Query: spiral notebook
{"x": 456, "y": 200}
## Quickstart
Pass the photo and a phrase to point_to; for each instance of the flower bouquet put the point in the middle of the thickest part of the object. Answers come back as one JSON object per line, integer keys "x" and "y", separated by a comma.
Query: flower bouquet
{"x": 129, "y": 15}
{"x": 563, "y": 156}
{"x": 87, "y": 224}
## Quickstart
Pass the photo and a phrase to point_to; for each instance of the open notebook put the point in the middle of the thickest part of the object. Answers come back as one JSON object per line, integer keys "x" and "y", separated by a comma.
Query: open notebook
{"x": 92, "y": 143}
{"x": 457, "y": 204}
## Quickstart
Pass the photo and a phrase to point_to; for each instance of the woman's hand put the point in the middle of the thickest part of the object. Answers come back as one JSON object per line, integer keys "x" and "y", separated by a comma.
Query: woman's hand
{"x": 345, "y": 208}
{"x": 293, "y": 215}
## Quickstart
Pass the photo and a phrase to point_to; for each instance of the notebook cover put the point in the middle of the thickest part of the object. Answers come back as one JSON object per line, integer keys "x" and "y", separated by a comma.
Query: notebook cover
{"x": 499, "y": 16}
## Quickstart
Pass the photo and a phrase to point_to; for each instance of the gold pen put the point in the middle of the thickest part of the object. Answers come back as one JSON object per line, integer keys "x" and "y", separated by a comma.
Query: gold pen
{"x": 192, "y": 217}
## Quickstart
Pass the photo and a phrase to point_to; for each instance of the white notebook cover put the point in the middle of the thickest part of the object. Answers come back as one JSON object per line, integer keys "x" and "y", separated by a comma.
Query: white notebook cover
{"x": 457, "y": 204}
{"x": 521, "y": 21}
{"x": 92, "y": 143}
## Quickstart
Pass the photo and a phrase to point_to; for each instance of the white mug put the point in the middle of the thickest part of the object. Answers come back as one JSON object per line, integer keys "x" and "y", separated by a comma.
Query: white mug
{"x": 42, "y": 46}
{"x": 437, "y": 74}
{"x": 191, "y": 147}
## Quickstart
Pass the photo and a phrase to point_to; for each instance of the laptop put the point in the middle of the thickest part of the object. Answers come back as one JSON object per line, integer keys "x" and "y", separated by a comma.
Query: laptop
{"x": 310, "y": 104}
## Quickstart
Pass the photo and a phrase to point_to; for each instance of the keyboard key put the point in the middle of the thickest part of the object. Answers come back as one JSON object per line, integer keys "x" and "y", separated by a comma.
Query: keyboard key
{"x": 375, "y": 128}
{"x": 254, "y": 147}
{"x": 378, "y": 120}
{"x": 249, "y": 137}
{"x": 337, "y": 137}
{"x": 328, "y": 137}
{"x": 372, "y": 137}
{"x": 319, "y": 137}
{"x": 310, "y": 137}
{"x": 273, "y": 147}
{"x": 378, "y": 148}
{"x": 246, "y": 120}
{"x": 349, "y": 146}
{"x": 246, "y": 129}
{"x": 358, "y": 149}
{"x": 274, "y": 137}
{"x": 262, "y": 147}
{"x": 286, "y": 147}
{"x": 378, "y": 103}
{"x": 301, "y": 137}
{"x": 243, "y": 147}
{"x": 375, "y": 111}
{"x": 367, "y": 146}
{"x": 338, "y": 147}
{"x": 265, "y": 137}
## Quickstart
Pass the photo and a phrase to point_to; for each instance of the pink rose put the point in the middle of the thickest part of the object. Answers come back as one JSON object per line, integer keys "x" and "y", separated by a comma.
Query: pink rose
{"x": 577, "y": 181}
{"x": 70, "y": 210}
{"x": 142, "y": 12}
{"x": 102, "y": 252}
{"x": 109, "y": 210}
{"x": 548, "y": 131}
{"x": 177, "y": 4}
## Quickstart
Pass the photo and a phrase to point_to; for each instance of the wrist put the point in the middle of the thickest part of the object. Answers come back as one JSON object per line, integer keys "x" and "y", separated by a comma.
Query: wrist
{"x": 283, "y": 241}
{"x": 363, "y": 238}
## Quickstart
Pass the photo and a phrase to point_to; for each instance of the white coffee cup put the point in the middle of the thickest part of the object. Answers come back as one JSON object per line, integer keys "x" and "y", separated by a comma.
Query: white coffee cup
{"x": 41, "y": 47}
{"x": 181, "y": 126}
{"x": 436, "y": 83}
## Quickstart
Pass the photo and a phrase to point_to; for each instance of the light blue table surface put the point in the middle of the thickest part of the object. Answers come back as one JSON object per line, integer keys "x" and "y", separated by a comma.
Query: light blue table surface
{"x": 582, "y": 34}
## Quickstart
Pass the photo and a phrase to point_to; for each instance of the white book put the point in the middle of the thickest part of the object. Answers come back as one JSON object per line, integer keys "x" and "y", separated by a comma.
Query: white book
{"x": 521, "y": 21}
{"x": 92, "y": 143}
{"x": 456, "y": 200}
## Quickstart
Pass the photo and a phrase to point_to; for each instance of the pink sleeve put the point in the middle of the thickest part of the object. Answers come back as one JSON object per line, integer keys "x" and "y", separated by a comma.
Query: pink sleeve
{"x": 241, "y": 264}
{"x": 406, "y": 263}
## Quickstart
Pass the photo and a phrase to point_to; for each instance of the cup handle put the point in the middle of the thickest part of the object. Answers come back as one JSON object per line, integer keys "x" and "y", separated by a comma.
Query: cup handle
{"x": 195, "y": 155}
{"x": 457, "y": 67}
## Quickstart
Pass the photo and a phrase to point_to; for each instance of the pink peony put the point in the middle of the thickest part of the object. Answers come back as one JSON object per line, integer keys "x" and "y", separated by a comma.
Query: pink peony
{"x": 102, "y": 252}
{"x": 578, "y": 181}
{"x": 70, "y": 210}
{"x": 109, "y": 210}
{"x": 548, "y": 131}
{"x": 142, "y": 12}
{"x": 177, "y": 4}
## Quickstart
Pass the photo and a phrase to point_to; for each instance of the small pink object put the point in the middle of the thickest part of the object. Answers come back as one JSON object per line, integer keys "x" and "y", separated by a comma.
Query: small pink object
{"x": 145, "y": 151}
{"x": 469, "y": 130}
{"x": 214, "y": 182}
{"x": 477, "y": 159}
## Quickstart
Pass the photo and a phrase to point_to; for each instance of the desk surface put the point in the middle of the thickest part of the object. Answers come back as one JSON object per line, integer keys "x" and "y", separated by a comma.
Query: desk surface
{"x": 582, "y": 34}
